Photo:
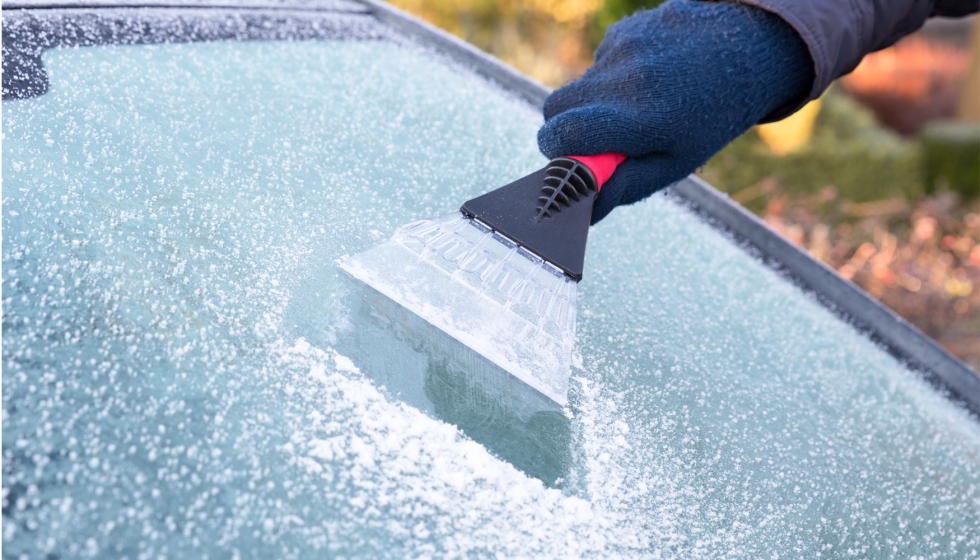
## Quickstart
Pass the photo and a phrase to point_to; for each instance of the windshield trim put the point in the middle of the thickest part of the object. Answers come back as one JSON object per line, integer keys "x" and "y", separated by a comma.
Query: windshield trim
{"x": 27, "y": 33}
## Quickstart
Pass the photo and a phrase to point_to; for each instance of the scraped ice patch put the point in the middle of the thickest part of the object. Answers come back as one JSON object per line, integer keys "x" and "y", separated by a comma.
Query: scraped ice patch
{"x": 425, "y": 473}
{"x": 514, "y": 312}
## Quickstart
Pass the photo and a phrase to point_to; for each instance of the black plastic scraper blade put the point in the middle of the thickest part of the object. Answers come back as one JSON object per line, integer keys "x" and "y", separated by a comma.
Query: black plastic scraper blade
{"x": 499, "y": 276}
{"x": 547, "y": 213}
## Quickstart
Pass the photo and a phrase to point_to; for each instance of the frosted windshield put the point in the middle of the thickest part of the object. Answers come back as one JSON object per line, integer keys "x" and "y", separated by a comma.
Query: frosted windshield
{"x": 186, "y": 372}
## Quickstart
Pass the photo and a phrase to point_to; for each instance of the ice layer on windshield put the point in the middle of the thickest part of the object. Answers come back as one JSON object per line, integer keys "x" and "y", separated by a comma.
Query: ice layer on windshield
{"x": 482, "y": 290}
{"x": 185, "y": 374}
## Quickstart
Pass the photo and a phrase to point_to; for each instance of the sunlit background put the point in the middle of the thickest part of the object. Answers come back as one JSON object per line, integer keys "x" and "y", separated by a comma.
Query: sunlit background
{"x": 879, "y": 179}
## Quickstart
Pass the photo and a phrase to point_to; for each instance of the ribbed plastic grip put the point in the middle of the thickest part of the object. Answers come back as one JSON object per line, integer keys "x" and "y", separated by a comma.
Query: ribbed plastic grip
{"x": 566, "y": 181}
{"x": 548, "y": 212}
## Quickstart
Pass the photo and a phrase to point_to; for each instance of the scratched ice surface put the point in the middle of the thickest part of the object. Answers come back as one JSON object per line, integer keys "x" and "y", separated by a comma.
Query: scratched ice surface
{"x": 186, "y": 373}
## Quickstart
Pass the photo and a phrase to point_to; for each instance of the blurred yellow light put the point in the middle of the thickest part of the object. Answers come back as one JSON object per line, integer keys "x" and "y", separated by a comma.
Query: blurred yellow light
{"x": 958, "y": 288}
{"x": 568, "y": 11}
{"x": 793, "y": 132}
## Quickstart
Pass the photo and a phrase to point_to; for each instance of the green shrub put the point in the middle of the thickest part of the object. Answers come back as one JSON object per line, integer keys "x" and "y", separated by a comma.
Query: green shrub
{"x": 848, "y": 150}
{"x": 951, "y": 158}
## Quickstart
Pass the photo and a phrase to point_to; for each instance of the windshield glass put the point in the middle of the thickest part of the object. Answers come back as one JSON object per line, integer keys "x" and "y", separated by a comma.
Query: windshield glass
{"x": 186, "y": 371}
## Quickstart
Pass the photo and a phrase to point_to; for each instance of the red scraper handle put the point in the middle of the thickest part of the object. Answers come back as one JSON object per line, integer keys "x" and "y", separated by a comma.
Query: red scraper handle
{"x": 601, "y": 166}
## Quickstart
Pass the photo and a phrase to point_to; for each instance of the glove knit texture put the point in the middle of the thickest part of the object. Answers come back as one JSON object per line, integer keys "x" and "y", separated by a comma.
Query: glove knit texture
{"x": 672, "y": 86}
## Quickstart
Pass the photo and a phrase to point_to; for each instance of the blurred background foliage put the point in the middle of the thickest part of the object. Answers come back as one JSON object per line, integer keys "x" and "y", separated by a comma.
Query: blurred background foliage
{"x": 550, "y": 40}
{"x": 879, "y": 179}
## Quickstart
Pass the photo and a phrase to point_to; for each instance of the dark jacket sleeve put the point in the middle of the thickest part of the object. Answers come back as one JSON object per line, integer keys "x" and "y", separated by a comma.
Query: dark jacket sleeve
{"x": 840, "y": 32}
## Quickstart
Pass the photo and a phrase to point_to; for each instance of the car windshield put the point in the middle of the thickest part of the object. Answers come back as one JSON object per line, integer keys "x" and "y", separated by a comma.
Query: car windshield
{"x": 187, "y": 372}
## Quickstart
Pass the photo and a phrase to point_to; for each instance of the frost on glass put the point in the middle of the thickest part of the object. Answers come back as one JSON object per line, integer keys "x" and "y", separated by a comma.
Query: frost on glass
{"x": 186, "y": 371}
{"x": 325, "y": 5}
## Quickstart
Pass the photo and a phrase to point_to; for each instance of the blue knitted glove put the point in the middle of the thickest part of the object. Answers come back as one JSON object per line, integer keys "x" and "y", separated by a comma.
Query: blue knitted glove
{"x": 670, "y": 87}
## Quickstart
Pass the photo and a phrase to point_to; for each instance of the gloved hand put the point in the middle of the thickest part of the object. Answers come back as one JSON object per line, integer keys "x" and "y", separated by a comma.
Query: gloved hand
{"x": 670, "y": 87}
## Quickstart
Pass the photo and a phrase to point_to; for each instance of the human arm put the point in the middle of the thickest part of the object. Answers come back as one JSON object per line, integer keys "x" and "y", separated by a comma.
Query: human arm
{"x": 672, "y": 86}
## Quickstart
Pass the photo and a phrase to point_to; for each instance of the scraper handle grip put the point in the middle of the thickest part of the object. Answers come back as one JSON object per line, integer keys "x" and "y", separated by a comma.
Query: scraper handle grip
{"x": 601, "y": 166}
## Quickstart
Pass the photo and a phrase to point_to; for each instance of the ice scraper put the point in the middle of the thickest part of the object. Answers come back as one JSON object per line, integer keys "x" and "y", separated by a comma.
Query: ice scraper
{"x": 500, "y": 275}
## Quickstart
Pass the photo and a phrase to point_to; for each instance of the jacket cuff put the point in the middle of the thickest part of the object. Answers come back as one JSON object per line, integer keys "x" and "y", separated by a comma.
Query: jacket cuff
{"x": 839, "y": 33}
